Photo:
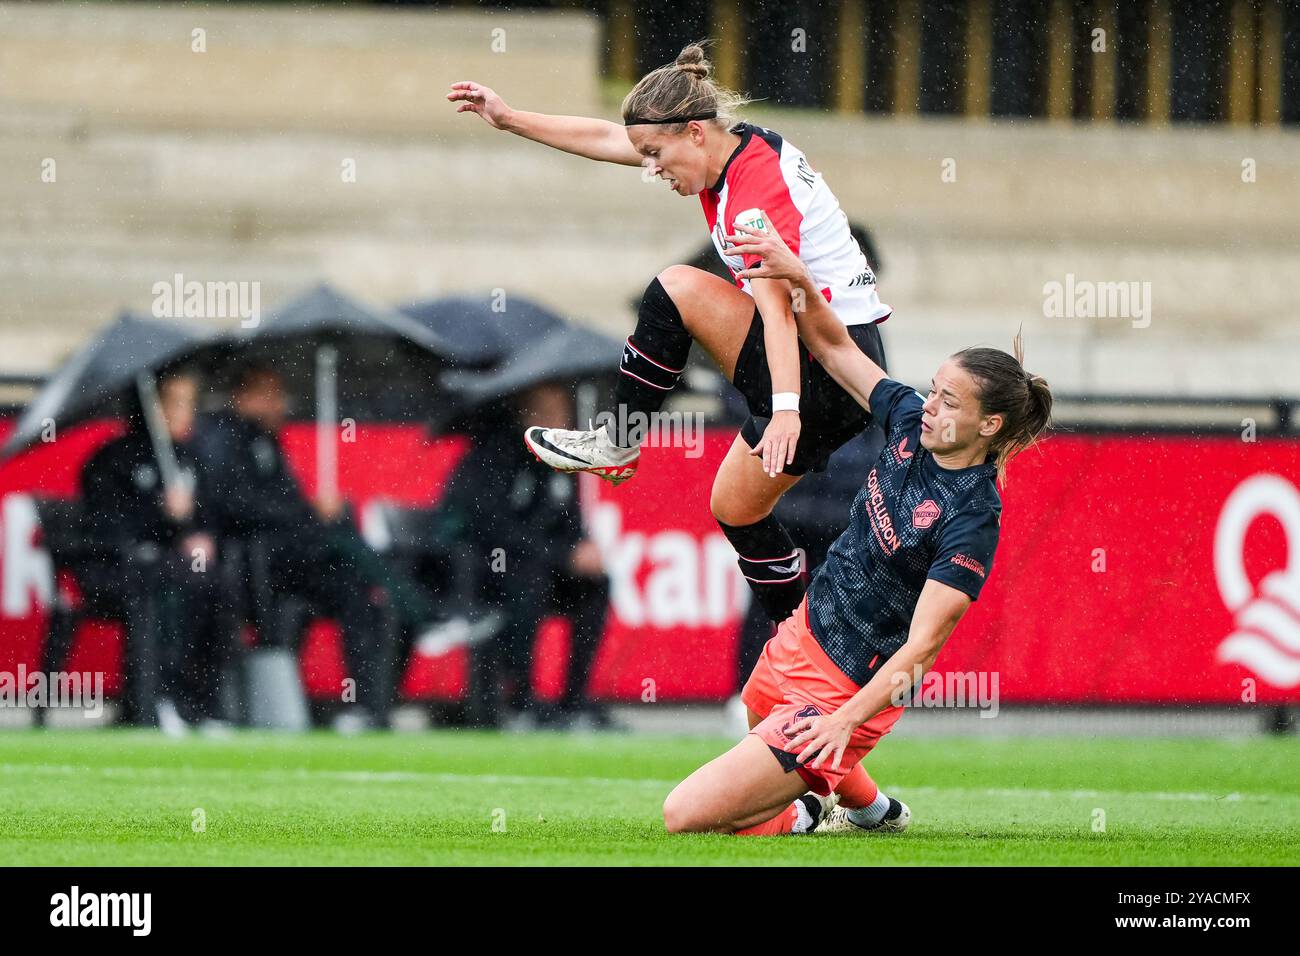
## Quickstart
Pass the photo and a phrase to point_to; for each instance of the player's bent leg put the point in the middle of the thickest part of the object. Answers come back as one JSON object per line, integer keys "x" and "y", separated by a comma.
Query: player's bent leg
{"x": 715, "y": 313}
{"x": 744, "y": 787}
{"x": 857, "y": 789}
{"x": 742, "y": 501}
{"x": 742, "y": 492}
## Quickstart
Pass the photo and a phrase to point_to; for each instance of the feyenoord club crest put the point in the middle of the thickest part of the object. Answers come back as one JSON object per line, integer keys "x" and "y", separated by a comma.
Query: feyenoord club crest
{"x": 925, "y": 514}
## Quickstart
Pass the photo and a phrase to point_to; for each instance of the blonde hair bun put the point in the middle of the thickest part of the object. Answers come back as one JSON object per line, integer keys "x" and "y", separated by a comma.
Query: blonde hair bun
{"x": 684, "y": 87}
{"x": 692, "y": 60}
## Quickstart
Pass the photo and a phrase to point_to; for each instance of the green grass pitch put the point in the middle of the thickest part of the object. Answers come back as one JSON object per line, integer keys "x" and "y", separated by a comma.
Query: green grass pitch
{"x": 128, "y": 797}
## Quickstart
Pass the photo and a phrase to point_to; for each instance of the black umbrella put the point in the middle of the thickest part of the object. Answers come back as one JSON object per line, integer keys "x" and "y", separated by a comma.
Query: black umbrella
{"x": 475, "y": 331}
{"x": 100, "y": 371}
{"x": 324, "y": 310}
{"x": 387, "y": 362}
{"x": 348, "y": 358}
{"x": 564, "y": 354}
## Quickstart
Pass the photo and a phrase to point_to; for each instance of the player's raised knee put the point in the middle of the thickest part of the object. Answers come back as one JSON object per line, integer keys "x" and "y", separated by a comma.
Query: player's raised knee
{"x": 679, "y": 280}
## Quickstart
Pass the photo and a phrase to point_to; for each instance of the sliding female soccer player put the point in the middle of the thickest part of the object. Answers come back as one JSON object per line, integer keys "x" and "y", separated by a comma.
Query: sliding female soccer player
{"x": 916, "y": 553}
{"x": 681, "y": 127}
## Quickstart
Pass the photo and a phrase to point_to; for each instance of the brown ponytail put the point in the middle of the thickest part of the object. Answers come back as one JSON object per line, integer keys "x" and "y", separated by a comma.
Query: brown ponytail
{"x": 1004, "y": 388}
{"x": 682, "y": 88}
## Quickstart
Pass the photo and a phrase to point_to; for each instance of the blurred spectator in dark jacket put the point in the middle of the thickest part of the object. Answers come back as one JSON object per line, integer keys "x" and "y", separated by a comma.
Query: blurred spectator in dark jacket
{"x": 310, "y": 546}
{"x": 520, "y": 525}
{"x": 155, "y": 563}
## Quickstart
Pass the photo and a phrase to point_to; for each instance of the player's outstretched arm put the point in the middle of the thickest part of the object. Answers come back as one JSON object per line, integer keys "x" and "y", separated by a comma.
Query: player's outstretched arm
{"x": 825, "y": 738}
{"x": 819, "y": 328}
{"x": 581, "y": 135}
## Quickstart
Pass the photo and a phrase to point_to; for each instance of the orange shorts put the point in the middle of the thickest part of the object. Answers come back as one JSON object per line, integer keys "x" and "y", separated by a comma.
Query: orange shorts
{"x": 793, "y": 679}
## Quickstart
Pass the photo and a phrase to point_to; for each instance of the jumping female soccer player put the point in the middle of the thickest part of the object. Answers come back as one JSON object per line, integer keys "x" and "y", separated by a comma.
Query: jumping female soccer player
{"x": 680, "y": 126}
{"x": 916, "y": 553}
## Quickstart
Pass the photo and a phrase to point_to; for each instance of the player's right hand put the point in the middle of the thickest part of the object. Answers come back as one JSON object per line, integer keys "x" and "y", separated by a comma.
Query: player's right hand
{"x": 477, "y": 98}
{"x": 777, "y": 446}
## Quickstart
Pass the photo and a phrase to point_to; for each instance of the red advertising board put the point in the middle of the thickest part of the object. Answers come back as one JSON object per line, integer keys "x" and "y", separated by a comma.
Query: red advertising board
{"x": 1131, "y": 569}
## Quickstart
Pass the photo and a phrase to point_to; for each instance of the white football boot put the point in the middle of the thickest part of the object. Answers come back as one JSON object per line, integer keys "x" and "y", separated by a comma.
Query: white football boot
{"x": 897, "y": 818}
{"x": 592, "y": 451}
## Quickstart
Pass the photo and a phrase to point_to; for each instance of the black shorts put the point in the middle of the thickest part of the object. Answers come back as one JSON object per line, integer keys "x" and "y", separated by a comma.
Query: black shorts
{"x": 829, "y": 415}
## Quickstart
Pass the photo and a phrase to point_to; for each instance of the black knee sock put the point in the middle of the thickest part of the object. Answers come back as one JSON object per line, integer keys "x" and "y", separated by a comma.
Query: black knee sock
{"x": 770, "y": 564}
{"x": 653, "y": 360}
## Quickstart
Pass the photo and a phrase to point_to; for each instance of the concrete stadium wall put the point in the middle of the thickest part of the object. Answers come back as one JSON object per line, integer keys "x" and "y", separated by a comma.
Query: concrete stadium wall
{"x": 227, "y": 165}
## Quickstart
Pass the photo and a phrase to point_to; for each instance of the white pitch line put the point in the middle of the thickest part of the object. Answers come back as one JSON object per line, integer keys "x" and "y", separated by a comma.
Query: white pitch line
{"x": 416, "y": 776}
{"x": 345, "y": 776}
{"x": 1175, "y": 795}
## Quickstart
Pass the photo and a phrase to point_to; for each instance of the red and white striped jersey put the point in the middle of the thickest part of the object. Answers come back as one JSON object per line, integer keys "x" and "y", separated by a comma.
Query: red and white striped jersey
{"x": 765, "y": 172}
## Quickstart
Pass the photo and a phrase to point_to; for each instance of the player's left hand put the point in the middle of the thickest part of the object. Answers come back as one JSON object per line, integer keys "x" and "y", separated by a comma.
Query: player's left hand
{"x": 780, "y": 438}
{"x": 825, "y": 737}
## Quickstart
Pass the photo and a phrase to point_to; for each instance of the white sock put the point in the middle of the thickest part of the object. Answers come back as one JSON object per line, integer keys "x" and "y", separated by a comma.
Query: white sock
{"x": 805, "y": 819}
{"x": 871, "y": 814}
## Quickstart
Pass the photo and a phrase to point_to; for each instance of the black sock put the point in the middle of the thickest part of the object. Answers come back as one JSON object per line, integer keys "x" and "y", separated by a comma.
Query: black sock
{"x": 653, "y": 360}
{"x": 771, "y": 565}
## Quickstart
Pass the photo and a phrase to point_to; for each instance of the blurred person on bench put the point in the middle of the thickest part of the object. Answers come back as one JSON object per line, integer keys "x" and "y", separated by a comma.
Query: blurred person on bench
{"x": 156, "y": 566}
{"x": 311, "y": 547}
{"x": 519, "y": 524}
